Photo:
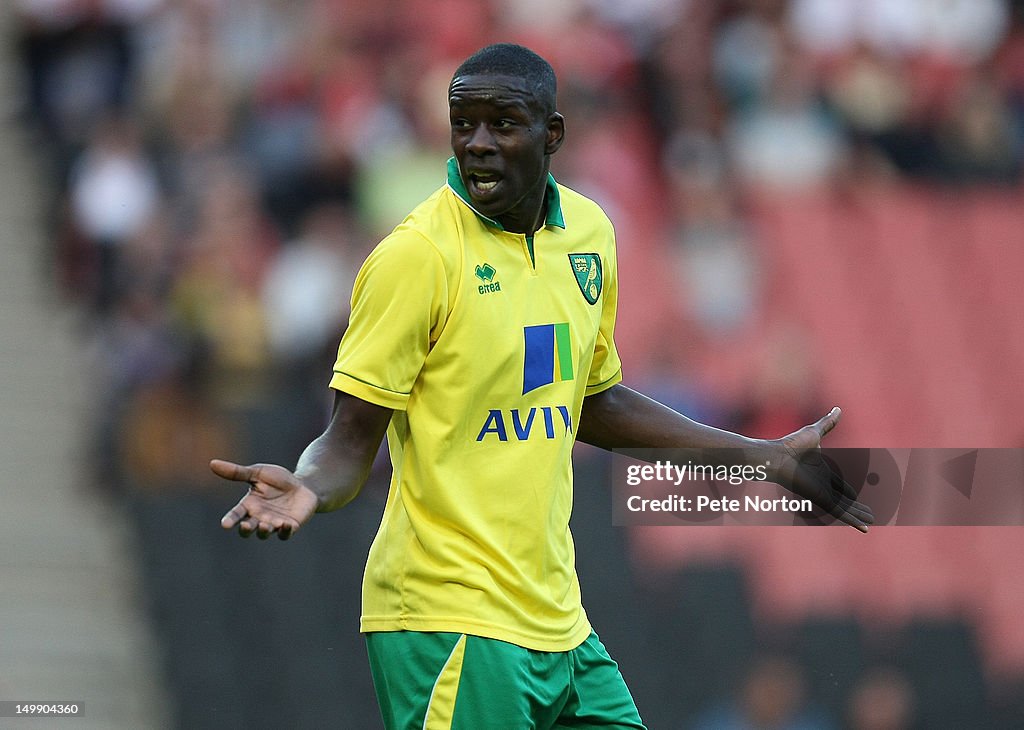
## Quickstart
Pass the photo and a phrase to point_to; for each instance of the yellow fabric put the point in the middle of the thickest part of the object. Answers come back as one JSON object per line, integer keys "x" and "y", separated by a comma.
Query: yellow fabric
{"x": 475, "y": 533}
{"x": 441, "y": 707}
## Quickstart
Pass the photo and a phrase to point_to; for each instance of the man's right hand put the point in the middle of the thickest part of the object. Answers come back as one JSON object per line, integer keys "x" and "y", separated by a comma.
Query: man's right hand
{"x": 276, "y": 501}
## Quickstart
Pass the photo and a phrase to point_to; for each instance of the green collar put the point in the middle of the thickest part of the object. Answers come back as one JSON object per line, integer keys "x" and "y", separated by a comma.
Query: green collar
{"x": 554, "y": 216}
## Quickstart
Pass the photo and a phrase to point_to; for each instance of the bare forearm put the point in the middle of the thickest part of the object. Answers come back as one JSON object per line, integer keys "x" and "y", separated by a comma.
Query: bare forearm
{"x": 336, "y": 464}
{"x": 335, "y": 479}
{"x": 621, "y": 418}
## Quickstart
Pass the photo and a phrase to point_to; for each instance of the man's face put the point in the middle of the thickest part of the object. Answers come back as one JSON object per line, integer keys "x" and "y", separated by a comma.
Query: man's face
{"x": 502, "y": 137}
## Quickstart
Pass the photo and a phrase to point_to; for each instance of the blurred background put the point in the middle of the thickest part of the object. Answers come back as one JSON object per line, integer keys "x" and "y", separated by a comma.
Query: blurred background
{"x": 817, "y": 202}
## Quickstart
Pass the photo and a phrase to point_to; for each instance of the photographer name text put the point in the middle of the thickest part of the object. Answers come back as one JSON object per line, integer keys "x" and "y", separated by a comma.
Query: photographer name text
{"x": 703, "y": 503}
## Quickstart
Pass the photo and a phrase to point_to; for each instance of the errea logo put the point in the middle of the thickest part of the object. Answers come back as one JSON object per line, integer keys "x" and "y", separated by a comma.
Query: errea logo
{"x": 486, "y": 273}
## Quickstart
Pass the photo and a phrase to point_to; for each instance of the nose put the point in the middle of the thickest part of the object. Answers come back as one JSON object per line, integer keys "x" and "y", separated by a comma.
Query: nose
{"x": 481, "y": 141}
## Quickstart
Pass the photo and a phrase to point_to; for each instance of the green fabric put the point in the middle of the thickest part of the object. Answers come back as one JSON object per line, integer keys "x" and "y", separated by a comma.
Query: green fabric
{"x": 554, "y": 215}
{"x": 405, "y": 665}
{"x": 501, "y": 684}
{"x": 563, "y": 343}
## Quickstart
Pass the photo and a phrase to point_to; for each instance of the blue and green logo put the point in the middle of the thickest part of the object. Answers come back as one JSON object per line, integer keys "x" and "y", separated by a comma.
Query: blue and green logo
{"x": 548, "y": 355}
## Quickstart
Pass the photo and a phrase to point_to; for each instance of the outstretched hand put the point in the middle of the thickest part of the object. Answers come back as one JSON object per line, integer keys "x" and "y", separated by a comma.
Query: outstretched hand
{"x": 276, "y": 501}
{"x": 805, "y": 472}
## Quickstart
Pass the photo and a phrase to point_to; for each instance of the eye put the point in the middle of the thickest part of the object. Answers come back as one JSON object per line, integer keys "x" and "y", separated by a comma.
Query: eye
{"x": 460, "y": 123}
{"x": 504, "y": 123}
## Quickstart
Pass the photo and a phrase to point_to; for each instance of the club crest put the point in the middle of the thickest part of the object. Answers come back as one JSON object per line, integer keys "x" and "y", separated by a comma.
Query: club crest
{"x": 586, "y": 267}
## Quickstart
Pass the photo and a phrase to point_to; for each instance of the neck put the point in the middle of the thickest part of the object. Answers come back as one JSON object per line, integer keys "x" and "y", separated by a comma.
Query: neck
{"x": 538, "y": 220}
{"x": 528, "y": 224}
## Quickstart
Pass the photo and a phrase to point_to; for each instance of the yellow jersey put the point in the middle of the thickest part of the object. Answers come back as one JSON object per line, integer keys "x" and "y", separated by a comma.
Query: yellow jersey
{"x": 484, "y": 342}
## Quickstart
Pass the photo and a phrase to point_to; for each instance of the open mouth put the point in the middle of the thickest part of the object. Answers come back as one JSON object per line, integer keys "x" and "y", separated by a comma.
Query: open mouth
{"x": 483, "y": 184}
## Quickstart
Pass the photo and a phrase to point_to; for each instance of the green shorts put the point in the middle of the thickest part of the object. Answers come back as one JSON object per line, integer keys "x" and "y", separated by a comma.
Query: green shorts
{"x": 437, "y": 681}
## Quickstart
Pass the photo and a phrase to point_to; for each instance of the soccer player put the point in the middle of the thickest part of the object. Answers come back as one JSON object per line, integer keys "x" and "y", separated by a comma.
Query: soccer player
{"x": 481, "y": 341}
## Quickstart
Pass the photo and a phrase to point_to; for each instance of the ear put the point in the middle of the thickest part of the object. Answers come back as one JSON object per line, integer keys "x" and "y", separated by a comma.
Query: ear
{"x": 555, "y": 133}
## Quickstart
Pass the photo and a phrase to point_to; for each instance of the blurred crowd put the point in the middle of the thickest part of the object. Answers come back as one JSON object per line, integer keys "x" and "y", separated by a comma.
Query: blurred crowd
{"x": 220, "y": 168}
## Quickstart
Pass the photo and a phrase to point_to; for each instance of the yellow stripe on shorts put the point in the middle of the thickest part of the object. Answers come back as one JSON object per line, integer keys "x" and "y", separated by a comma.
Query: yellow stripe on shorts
{"x": 441, "y": 707}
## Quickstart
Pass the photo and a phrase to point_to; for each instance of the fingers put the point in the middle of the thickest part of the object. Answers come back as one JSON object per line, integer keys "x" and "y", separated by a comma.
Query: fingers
{"x": 248, "y": 524}
{"x": 247, "y": 527}
{"x": 817, "y": 478}
{"x": 239, "y": 517}
{"x": 234, "y": 516}
{"x": 251, "y": 525}
{"x": 847, "y": 508}
{"x": 854, "y": 523}
{"x": 827, "y": 422}
{"x": 832, "y": 494}
{"x": 234, "y": 472}
{"x": 850, "y": 505}
{"x": 266, "y": 529}
{"x": 859, "y": 514}
{"x": 281, "y": 528}
{"x": 860, "y": 519}
{"x": 844, "y": 487}
{"x": 853, "y": 513}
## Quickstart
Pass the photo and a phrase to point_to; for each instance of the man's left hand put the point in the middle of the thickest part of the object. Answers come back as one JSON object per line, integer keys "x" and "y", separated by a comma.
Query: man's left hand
{"x": 804, "y": 471}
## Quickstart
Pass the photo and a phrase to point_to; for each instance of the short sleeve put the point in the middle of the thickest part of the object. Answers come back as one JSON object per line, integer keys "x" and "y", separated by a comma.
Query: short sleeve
{"x": 399, "y": 305}
{"x": 606, "y": 369}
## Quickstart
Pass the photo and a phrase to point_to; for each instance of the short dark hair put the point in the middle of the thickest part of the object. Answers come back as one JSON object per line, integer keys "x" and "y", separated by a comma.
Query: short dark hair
{"x": 510, "y": 59}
